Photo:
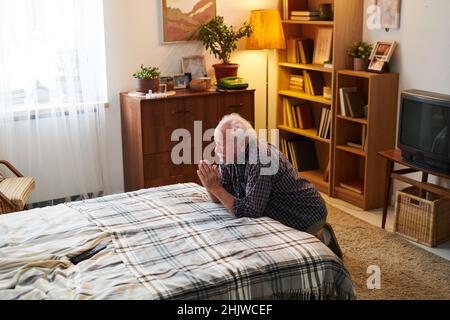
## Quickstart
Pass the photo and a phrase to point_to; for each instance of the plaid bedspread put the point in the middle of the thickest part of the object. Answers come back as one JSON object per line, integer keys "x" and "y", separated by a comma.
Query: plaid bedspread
{"x": 181, "y": 246}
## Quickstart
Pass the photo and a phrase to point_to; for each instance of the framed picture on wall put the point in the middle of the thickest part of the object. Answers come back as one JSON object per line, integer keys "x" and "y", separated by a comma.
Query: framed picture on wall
{"x": 389, "y": 11}
{"x": 181, "y": 18}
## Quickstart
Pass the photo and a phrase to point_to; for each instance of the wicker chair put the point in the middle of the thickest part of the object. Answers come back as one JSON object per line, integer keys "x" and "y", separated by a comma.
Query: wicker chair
{"x": 14, "y": 192}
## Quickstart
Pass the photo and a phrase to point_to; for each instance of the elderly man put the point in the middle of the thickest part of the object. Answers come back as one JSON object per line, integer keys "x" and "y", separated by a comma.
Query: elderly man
{"x": 248, "y": 192}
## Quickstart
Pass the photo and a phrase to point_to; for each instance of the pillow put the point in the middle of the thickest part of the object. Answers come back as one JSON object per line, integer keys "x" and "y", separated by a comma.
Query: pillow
{"x": 1, "y": 177}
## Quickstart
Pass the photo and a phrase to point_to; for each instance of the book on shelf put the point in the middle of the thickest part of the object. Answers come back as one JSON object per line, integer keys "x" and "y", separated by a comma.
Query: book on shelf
{"x": 306, "y": 50}
{"x": 343, "y": 101}
{"x": 297, "y": 115}
{"x": 305, "y": 13}
{"x": 355, "y": 103}
{"x": 356, "y": 186}
{"x": 291, "y": 6}
{"x": 294, "y": 116}
{"x": 296, "y": 83}
{"x": 304, "y": 113}
{"x": 324, "y": 129}
{"x": 287, "y": 109}
{"x": 317, "y": 83}
{"x": 300, "y": 50}
{"x": 301, "y": 18}
{"x": 301, "y": 153}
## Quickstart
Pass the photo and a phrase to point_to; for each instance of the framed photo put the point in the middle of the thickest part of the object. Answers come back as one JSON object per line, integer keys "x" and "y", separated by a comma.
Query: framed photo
{"x": 181, "y": 18}
{"x": 378, "y": 65}
{"x": 181, "y": 81}
{"x": 383, "y": 51}
{"x": 323, "y": 45}
{"x": 195, "y": 65}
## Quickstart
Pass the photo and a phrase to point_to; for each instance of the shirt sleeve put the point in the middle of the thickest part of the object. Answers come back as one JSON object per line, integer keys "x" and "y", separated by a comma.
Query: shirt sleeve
{"x": 227, "y": 182}
{"x": 257, "y": 195}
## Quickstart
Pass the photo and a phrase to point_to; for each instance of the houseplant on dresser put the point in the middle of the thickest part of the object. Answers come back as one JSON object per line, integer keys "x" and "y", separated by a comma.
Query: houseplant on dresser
{"x": 222, "y": 40}
{"x": 147, "y": 78}
{"x": 360, "y": 51}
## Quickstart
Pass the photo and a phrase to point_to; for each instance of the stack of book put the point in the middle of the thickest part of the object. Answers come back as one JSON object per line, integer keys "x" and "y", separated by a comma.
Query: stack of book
{"x": 300, "y": 50}
{"x": 324, "y": 130}
{"x": 352, "y": 103}
{"x": 305, "y": 15}
{"x": 296, "y": 83}
{"x": 296, "y": 115}
{"x": 314, "y": 83}
{"x": 301, "y": 153}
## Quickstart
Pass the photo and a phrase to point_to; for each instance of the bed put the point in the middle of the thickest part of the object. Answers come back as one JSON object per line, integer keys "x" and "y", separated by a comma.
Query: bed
{"x": 162, "y": 243}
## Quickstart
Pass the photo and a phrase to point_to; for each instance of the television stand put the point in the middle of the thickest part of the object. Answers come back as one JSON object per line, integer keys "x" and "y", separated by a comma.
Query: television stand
{"x": 395, "y": 156}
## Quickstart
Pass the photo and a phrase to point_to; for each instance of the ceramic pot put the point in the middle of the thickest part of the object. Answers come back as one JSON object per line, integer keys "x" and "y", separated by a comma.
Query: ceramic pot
{"x": 360, "y": 64}
{"x": 225, "y": 70}
{"x": 146, "y": 85}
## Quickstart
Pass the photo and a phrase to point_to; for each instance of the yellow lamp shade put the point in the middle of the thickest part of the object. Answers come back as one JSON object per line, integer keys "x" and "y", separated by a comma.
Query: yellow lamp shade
{"x": 267, "y": 30}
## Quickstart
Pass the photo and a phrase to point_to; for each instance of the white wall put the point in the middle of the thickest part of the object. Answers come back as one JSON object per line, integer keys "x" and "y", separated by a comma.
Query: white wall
{"x": 133, "y": 36}
{"x": 423, "y": 55}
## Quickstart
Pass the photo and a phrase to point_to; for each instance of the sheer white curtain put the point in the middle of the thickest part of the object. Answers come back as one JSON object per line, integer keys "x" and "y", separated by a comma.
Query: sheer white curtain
{"x": 53, "y": 93}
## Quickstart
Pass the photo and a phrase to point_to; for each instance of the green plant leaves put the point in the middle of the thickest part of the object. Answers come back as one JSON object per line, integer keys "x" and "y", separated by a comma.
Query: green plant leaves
{"x": 220, "y": 39}
{"x": 146, "y": 73}
{"x": 360, "y": 50}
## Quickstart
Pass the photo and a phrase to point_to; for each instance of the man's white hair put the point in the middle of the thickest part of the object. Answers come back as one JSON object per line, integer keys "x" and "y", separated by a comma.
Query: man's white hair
{"x": 235, "y": 125}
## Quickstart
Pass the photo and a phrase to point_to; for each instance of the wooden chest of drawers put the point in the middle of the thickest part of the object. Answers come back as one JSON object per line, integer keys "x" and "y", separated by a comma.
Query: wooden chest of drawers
{"x": 147, "y": 127}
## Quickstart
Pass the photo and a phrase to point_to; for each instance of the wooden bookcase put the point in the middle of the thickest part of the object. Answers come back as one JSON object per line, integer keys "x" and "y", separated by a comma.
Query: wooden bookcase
{"x": 347, "y": 29}
{"x": 380, "y": 92}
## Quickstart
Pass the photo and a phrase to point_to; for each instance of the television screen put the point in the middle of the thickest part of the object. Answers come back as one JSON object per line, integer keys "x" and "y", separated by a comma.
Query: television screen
{"x": 426, "y": 127}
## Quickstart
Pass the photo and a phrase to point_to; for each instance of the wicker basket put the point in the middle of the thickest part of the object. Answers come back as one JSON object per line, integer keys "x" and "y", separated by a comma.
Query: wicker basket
{"x": 425, "y": 220}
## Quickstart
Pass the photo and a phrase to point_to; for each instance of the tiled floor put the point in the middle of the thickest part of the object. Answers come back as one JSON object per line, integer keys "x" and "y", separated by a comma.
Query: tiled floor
{"x": 374, "y": 217}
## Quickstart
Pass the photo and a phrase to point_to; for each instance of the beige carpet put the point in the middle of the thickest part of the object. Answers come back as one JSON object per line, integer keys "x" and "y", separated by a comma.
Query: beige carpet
{"x": 407, "y": 271}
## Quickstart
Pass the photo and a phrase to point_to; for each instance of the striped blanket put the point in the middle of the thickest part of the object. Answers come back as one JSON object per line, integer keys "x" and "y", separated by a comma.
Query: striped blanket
{"x": 163, "y": 243}
{"x": 181, "y": 246}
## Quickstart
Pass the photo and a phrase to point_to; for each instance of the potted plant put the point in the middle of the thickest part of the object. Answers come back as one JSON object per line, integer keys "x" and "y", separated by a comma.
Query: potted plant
{"x": 147, "y": 78}
{"x": 360, "y": 51}
{"x": 222, "y": 40}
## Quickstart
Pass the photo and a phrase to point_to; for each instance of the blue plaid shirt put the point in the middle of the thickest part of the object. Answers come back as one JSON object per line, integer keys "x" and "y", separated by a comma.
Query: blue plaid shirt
{"x": 284, "y": 196}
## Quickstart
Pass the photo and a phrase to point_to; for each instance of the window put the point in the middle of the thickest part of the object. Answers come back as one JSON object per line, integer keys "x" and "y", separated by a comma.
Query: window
{"x": 52, "y": 53}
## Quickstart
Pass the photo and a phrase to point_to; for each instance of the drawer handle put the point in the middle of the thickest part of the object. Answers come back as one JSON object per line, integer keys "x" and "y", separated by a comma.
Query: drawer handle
{"x": 180, "y": 112}
{"x": 236, "y": 106}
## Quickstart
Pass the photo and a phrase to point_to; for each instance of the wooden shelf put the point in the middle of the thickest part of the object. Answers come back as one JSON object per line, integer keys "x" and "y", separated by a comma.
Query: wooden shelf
{"x": 357, "y": 120}
{"x": 353, "y": 150}
{"x": 313, "y": 67}
{"x": 308, "y": 133}
{"x": 349, "y": 196}
{"x": 304, "y": 96}
{"x": 345, "y": 33}
{"x": 316, "y": 177}
{"x": 316, "y": 23}
{"x": 359, "y": 74}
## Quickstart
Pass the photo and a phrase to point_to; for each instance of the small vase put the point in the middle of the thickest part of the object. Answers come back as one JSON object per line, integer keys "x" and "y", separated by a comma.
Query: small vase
{"x": 359, "y": 64}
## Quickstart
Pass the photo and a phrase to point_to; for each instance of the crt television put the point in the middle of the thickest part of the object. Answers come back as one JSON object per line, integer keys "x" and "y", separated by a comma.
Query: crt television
{"x": 424, "y": 132}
